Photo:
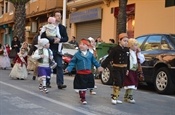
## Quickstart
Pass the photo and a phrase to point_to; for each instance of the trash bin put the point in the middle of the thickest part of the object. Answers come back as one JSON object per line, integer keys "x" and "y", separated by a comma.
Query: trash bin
{"x": 102, "y": 49}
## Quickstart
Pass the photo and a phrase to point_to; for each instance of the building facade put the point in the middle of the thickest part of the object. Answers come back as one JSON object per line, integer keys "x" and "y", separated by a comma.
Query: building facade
{"x": 99, "y": 18}
{"x": 37, "y": 12}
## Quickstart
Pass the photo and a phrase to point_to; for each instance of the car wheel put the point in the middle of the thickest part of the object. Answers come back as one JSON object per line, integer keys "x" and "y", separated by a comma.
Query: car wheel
{"x": 163, "y": 82}
{"x": 106, "y": 77}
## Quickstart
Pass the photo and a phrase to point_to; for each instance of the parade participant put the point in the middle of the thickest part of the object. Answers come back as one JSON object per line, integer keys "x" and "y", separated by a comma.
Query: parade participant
{"x": 92, "y": 49}
{"x": 19, "y": 71}
{"x": 131, "y": 80}
{"x": 83, "y": 61}
{"x": 7, "y": 48}
{"x": 33, "y": 63}
{"x": 43, "y": 54}
{"x": 4, "y": 59}
{"x": 119, "y": 55}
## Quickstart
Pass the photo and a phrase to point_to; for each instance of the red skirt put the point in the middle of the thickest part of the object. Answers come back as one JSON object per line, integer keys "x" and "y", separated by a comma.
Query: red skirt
{"x": 131, "y": 79}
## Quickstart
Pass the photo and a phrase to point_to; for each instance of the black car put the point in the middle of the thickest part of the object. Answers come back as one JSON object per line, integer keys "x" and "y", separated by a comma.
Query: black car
{"x": 159, "y": 65}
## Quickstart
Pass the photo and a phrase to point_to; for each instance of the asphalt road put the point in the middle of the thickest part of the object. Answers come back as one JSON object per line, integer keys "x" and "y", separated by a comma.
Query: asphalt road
{"x": 22, "y": 97}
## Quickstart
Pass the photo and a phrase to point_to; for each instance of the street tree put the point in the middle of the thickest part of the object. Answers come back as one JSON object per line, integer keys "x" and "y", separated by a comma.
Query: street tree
{"x": 122, "y": 16}
{"x": 19, "y": 18}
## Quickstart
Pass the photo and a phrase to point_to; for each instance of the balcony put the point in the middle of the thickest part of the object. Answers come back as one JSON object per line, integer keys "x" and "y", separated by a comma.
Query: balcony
{"x": 81, "y": 3}
{"x": 42, "y": 6}
{"x": 6, "y": 18}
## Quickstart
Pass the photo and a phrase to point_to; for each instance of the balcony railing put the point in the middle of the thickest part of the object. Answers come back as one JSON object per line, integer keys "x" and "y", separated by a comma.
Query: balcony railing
{"x": 80, "y": 3}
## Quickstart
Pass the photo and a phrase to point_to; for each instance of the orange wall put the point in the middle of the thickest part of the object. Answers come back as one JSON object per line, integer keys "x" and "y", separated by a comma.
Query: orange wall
{"x": 151, "y": 16}
{"x": 108, "y": 30}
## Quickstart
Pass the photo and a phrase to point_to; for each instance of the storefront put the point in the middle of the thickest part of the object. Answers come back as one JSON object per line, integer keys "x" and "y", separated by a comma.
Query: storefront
{"x": 87, "y": 22}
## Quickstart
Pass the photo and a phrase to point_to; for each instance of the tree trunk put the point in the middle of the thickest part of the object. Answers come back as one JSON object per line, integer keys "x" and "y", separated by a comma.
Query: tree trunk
{"x": 121, "y": 21}
{"x": 19, "y": 19}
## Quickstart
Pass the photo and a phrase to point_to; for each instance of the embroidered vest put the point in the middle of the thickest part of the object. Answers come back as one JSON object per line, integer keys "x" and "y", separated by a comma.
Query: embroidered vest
{"x": 40, "y": 51}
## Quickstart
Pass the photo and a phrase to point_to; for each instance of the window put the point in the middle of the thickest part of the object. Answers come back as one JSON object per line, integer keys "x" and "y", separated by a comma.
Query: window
{"x": 152, "y": 43}
{"x": 2, "y": 9}
{"x": 6, "y": 7}
{"x": 169, "y": 3}
{"x": 164, "y": 44}
{"x": 140, "y": 40}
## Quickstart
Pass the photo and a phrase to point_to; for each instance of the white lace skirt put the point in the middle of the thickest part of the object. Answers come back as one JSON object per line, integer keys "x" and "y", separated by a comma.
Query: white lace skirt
{"x": 19, "y": 71}
{"x": 5, "y": 62}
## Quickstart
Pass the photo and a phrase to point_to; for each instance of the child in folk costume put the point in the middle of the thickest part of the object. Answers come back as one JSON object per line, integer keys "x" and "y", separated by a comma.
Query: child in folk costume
{"x": 119, "y": 55}
{"x": 19, "y": 70}
{"x": 52, "y": 31}
{"x": 43, "y": 54}
{"x": 4, "y": 59}
{"x": 83, "y": 60}
{"x": 92, "y": 49}
{"x": 7, "y": 48}
{"x": 131, "y": 79}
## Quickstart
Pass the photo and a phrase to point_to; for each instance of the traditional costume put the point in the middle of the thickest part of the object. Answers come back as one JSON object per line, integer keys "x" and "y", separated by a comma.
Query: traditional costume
{"x": 44, "y": 70}
{"x": 131, "y": 80}
{"x": 4, "y": 59}
{"x": 119, "y": 55}
{"x": 19, "y": 70}
{"x": 83, "y": 61}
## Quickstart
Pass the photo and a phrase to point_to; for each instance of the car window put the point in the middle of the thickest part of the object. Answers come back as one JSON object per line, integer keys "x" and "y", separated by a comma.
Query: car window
{"x": 173, "y": 38}
{"x": 152, "y": 43}
{"x": 140, "y": 40}
{"x": 164, "y": 44}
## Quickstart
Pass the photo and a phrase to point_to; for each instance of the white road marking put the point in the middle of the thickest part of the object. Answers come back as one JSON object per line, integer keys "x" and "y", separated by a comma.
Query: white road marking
{"x": 49, "y": 99}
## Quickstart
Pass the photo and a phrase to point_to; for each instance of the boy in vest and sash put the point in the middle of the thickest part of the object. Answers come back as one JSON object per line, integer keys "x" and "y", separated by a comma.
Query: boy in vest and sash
{"x": 43, "y": 54}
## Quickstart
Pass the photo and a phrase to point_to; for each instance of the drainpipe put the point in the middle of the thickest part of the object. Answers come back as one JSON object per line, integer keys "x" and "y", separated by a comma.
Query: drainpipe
{"x": 64, "y": 12}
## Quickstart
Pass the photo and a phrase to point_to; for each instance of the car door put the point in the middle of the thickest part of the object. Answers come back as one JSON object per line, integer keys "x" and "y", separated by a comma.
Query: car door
{"x": 150, "y": 48}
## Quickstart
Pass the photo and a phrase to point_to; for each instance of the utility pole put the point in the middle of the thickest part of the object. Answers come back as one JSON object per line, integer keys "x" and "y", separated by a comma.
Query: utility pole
{"x": 64, "y": 12}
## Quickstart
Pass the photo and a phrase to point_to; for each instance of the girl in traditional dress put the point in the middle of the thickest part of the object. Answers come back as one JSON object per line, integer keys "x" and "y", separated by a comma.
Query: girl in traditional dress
{"x": 19, "y": 71}
{"x": 131, "y": 79}
{"x": 4, "y": 59}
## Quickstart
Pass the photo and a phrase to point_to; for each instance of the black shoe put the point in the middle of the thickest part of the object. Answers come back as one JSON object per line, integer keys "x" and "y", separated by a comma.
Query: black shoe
{"x": 34, "y": 77}
{"x": 48, "y": 85}
{"x": 61, "y": 86}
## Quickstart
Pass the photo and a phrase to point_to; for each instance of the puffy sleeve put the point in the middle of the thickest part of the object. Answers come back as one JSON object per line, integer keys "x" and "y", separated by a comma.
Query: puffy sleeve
{"x": 36, "y": 55}
{"x": 141, "y": 57}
